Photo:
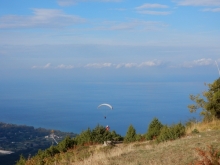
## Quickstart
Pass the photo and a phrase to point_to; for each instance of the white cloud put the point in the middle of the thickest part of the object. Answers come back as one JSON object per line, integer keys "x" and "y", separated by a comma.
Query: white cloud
{"x": 109, "y": 0}
{"x": 119, "y": 66}
{"x": 198, "y": 2}
{"x": 203, "y": 61}
{"x": 212, "y": 10}
{"x": 140, "y": 65}
{"x": 126, "y": 65}
{"x": 98, "y": 65}
{"x": 148, "y": 5}
{"x": 121, "y": 26}
{"x": 137, "y": 25}
{"x": 41, "y": 18}
{"x": 144, "y": 9}
{"x": 73, "y": 2}
{"x": 150, "y": 63}
{"x": 62, "y": 66}
{"x": 130, "y": 65}
{"x": 66, "y": 2}
{"x": 119, "y": 9}
{"x": 154, "y": 12}
{"x": 48, "y": 65}
{"x": 200, "y": 62}
{"x": 102, "y": 65}
{"x": 145, "y": 64}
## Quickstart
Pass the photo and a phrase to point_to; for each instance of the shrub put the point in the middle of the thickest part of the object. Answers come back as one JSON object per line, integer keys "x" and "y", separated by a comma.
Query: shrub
{"x": 21, "y": 161}
{"x": 191, "y": 122}
{"x": 153, "y": 129}
{"x": 99, "y": 134}
{"x": 64, "y": 145}
{"x": 51, "y": 151}
{"x": 131, "y": 135}
{"x": 116, "y": 137}
{"x": 195, "y": 131}
{"x": 84, "y": 137}
{"x": 140, "y": 137}
{"x": 171, "y": 133}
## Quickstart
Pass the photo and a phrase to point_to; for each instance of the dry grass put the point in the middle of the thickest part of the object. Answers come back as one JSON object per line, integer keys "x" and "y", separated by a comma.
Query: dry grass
{"x": 204, "y": 126}
{"x": 178, "y": 152}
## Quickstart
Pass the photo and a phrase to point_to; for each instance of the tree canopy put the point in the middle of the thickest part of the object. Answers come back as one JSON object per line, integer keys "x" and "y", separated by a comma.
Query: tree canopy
{"x": 130, "y": 135}
{"x": 154, "y": 129}
{"x": 209, "y": 102}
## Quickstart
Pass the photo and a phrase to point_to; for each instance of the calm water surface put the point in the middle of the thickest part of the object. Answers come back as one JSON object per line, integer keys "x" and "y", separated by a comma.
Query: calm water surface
{"x": 72, "y": 107}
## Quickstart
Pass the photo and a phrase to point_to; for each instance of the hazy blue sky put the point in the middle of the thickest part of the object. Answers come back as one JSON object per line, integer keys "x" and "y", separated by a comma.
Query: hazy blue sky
{"x": 117, "y": 39}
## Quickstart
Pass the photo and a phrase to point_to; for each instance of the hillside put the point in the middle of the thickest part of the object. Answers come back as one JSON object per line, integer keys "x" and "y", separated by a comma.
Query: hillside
{"x": 26, "y": 140}
{"x": 177, "y": 152}
{"x": 181, "y": 151}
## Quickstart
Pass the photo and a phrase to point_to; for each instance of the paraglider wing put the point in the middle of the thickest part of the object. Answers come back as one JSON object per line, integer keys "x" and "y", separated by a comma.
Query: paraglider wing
{"x": 108, "y": 105}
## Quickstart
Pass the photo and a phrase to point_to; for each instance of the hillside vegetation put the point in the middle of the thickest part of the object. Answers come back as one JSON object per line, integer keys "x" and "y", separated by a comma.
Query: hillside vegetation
{"x": 201, "y": 143}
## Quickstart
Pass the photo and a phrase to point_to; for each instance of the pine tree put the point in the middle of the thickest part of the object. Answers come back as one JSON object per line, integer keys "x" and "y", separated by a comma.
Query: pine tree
{"x": 131, "y": 135}
{"x": 154, "y": 129}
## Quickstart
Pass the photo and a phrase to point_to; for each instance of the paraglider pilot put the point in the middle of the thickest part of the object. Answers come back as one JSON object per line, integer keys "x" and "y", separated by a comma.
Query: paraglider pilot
{"x": 107, "y": 128}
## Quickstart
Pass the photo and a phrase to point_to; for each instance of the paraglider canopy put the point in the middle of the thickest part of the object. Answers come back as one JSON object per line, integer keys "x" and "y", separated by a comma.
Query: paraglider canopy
{"x": 108, "y": 105}
{"x": 105, "y": 105}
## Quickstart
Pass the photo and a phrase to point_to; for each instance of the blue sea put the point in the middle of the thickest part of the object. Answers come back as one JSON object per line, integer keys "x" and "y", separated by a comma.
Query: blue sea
{"x": 72, "y": 106}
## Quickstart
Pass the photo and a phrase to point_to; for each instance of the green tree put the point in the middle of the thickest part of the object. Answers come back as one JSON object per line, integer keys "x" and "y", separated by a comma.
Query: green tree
{"x": 171, "y": 133}
{"x": 130, "y": 135}
{"x": 84, "y": 137}
{"x": 209, "y": 103}
{"x": 66, "y": 144}
{"x": 50, "y": 152}
{"x": 21, "y": 161}
{"x": 140, "y": 137}
{"x": 154, "y": 129}
{"x": 99, "y": 134}
{"x": 115, "y": 136}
